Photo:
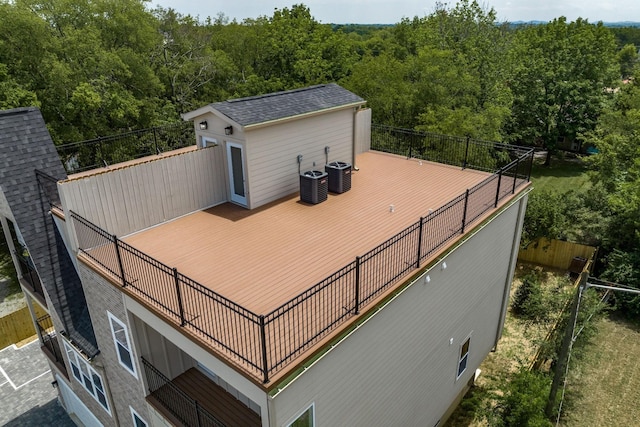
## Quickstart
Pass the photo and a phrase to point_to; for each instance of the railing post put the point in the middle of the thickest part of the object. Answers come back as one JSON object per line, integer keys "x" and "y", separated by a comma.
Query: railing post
{"x": 179, "y": 294}
{"x": 198, "y": 413}
{"x": 530, "y": 165}
{"x": 263, "y": 342}
{"x": 495, "y": 205}
{"x": 357, "y": 302}
{"x": 119, "y": 257}
{"x": 155, "y": 140}
{"x": 419, "y": 242}
{"x": 410, "y": 147}
{"x": 464, "y": 212}
{"x": 515, "y": 176}
{"x": 466, "y": 153}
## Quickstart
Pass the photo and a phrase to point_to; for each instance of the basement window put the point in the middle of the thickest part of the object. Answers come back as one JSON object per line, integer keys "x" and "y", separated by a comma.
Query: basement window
{"x": 464, "y": 357}
{"x": 123, "y": 344}
{"x": 306, "y": 419}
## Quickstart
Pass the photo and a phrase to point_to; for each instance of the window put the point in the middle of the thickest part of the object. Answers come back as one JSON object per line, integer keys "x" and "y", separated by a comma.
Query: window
{"x": 137, "y": 419}
{"x": 122, "y": 343}
{"x": 464, "y": 357}
{"x": 87, "y": 376}
{"x": 306, "y": 419}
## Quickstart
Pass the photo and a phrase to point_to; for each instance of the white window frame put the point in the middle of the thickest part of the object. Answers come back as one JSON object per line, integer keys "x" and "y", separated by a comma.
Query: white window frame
{"x": 301, "y": 413}
{"x": 84, "y": 374}
{"x": 125, "y": 346}
{"x": 134, "y": 415}
{"x": 463, "y": 357}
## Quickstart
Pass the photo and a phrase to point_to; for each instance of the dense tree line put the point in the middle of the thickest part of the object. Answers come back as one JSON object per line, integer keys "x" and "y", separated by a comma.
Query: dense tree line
{"x": 98, "y": 67}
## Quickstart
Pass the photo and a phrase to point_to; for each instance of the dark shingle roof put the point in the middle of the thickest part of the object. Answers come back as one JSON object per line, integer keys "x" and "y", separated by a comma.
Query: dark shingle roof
{"x": 25, "y": 145}
{"x": 290, "y": 103}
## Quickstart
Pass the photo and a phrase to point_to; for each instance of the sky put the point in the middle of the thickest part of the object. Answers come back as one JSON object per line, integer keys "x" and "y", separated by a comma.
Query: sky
{"x": 391, "y": 12}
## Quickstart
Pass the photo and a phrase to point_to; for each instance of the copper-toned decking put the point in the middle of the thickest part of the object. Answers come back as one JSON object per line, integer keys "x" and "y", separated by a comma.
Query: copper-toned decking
{"x": 259, "y": 261}
{"x": 264, "y": 257}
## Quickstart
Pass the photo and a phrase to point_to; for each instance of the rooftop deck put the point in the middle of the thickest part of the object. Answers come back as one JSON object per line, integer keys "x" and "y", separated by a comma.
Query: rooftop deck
{"x": 262, "y": 258}
{"x": 265, "y": 289}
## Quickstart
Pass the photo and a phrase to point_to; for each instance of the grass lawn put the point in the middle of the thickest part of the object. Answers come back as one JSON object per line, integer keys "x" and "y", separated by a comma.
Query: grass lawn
{"x": 604, "y": 387}
{"x": 563, "y": 175}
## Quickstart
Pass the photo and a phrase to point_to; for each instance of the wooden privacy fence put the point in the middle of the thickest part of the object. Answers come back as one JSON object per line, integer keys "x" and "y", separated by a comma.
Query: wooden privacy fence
{"x": 554, "y": 253}
{"x": 17, "y": 326}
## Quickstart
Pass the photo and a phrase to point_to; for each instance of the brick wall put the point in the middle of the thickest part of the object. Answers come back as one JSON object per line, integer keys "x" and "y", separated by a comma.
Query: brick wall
{"x": 124, "y": 389}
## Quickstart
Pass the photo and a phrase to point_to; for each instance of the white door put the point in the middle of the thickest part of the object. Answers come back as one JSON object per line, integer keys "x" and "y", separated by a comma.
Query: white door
{"x": 235, "y": 161}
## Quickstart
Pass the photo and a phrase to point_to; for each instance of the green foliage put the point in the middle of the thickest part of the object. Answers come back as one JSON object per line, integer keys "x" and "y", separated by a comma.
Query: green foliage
{"x": 628, "y": 59}
{"x": 617, "y": 171}
{"x": 589, "y": 312}
{"x": 525, "y": 399}
{"x": 561, "y": 73}
{"x": 528, "y": 302}
{"x": 7, "y": 269}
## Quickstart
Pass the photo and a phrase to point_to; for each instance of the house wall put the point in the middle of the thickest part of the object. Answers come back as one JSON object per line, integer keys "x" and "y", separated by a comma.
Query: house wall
{"x": 215, "y": 129}
{"x": 400, "y": 366}
{"x": 130, "y": 199}
{"x": 271, "y": 152}
{"x": 123, "y": 388}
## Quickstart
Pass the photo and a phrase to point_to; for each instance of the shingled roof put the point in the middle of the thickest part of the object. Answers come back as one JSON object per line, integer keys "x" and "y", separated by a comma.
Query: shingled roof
{"x": 26, "y": 146}
{"x": 279, "y": 105}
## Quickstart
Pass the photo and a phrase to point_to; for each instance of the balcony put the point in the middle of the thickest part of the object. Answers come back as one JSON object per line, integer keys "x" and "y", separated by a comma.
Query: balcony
{"x": 192, "y": 399}
{"x": 267, "y": 287}
{"x": 49, "y": 343}
{"x": 29, "y": 275}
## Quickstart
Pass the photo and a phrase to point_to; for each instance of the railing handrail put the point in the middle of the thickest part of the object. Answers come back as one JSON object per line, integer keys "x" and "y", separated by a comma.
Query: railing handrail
{"x": 261, "y": 349}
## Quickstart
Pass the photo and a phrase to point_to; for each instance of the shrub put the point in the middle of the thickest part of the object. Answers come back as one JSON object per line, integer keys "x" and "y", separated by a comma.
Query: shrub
{"x": 528, "y": 302}
{"x": 525, "y": 399}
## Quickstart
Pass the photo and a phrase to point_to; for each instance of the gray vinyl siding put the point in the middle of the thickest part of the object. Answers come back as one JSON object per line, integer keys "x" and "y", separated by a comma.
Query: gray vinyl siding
{"x": 400, "y": 366}
{"x": 134, "y": 198}
{"x": 271, "y": 152}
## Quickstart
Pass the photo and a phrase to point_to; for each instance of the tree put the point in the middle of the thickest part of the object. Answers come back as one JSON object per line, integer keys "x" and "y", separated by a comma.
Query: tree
{"x": 617, "y": 170}
{"x": 560, "y": 79}
{"x": 628, "y": 59}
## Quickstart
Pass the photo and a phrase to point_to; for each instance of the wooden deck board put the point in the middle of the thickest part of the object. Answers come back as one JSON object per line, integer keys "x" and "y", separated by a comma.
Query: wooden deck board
{"x": 211, "y": 397}
{"x": 264, "y": 257}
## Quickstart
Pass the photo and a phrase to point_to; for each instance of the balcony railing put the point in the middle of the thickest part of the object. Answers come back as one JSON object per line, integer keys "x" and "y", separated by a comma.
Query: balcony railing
{"x": 265, "y": 344}
{"x": 49, "y": 189}
{"x": 28, "y": 272}
{"x": 103, "y": 151}
{"x": 49, "y": 340}
{"x": 466, "y": 152}
{"x": 186, "y": 409}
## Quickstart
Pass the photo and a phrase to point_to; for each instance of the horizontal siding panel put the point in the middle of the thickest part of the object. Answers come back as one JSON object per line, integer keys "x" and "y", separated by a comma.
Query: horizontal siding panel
{"x": 272, "y": 152}
{"x": 399, "y": 368}
{"x": 130, "y": 199}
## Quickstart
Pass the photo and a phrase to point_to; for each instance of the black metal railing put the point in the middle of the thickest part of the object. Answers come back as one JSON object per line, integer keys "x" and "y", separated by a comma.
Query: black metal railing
{"x": 28, "y": 271}
{"x": 186, "y": 409}
{"x": 49, "y": 339}
{"x": 49, "y": 189}
{"x": 464, "y": 152}
{"x": 264, "y": 344}
{"x": 103, "y": 151}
